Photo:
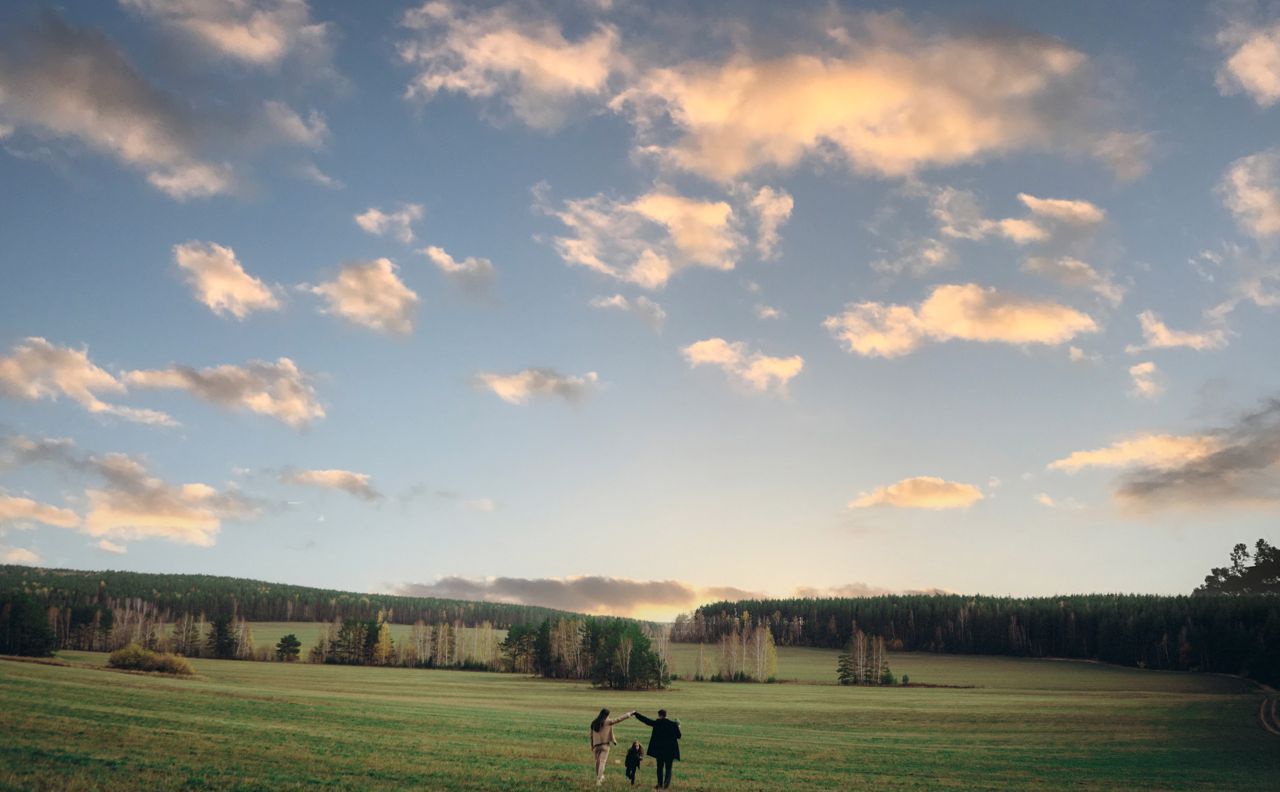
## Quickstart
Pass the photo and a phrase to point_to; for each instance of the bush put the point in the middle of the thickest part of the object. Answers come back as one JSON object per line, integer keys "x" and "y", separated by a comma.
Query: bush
{"x": 135, "y": 658}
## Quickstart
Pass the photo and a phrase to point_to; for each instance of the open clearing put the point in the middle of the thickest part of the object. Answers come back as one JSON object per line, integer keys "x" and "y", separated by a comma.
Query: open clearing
{"x": 245, "y": 725}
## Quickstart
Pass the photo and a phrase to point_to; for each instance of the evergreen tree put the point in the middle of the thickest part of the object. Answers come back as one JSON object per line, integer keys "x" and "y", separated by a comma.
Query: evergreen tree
{"x": 288, "y": 648}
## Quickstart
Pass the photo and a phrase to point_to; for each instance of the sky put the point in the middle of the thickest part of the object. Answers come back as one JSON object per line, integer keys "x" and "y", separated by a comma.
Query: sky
{"x": 621, "y": 307}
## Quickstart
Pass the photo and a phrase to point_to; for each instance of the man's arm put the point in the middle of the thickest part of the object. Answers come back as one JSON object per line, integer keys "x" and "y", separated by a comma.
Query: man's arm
{"x": 678, "y": 734}
{"x": 643, "y": 719}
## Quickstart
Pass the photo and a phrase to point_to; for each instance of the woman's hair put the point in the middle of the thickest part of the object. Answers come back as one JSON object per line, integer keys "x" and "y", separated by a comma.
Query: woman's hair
{"x": 598, "y": 723}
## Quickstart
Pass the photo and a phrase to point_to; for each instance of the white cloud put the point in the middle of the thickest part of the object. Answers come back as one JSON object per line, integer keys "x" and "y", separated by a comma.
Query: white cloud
{"x": 916, "y": 257}
{"x": 647, "y": 240}
{"x": 310, "y": 132}
{"x": 130, "y": 503}
{"x": 312, "y": 173}
{"x": 76, "y": 84}
{"x": 1146, "y": 384}
{"x": 1159, "y": 451}
{"x": 398, "y": 224}
{"x": 1252, "y": 64}
{"x": 1076, "y": 274}
{"x": 753, "y": 369}
{"x": 772, "y": 208}
{"x": 763, "y": 311}
{"x": 921, "y": 492}
{"x": 473, "y": 275}
{"x": 1157, "y": 335}
{"x": 279, "y": 390}
{"x": 258, "y": 33}
{"x": 1044, "y": 499}
{"x": 922, "y": 100}
{"x": 521, "y": 386}
{"x": 14, "y": 509}
{"x": 478, "y": 505}
{"x": 1072, "y": 212}
{"x": 18, "y": 555}
{"x": 220, "y": 282}
{"x": 526, "y": 63}
{"x": 36, "y": 369}
{"x": 108, "y": 546}
{"x": 648, "y": 311}
{"x": 1250, "y": 189}
{"x": 357, "y": 484}
{"x": 370, "y": 294}
{"x": 966, "y": 312}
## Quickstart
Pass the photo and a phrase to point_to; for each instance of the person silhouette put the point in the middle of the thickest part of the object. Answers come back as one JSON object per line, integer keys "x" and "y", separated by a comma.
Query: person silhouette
{"x": 664, "y": 744}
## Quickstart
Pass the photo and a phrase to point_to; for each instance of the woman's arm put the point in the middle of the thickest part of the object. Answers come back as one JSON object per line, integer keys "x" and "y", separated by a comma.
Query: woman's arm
{"x": 621, "y": 718}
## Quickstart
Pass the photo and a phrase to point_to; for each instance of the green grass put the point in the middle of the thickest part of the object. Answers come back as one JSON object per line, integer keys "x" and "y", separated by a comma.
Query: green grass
{"x": 239, "y": 725}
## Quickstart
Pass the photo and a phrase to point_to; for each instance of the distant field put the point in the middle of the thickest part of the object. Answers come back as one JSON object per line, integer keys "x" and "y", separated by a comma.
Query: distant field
{"x": 242, "y": 725}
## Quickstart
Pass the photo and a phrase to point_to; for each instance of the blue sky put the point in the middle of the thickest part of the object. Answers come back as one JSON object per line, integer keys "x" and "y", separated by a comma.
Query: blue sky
{"x": 618, "y": 308}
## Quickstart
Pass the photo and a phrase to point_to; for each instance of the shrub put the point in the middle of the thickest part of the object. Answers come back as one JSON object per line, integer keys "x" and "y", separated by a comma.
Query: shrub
{"x": 906, "y": 680}
{"x": 135, "y": 658}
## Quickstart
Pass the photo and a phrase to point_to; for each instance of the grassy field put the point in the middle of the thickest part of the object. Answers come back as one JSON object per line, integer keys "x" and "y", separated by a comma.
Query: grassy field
{"x": 1028, "y": 724}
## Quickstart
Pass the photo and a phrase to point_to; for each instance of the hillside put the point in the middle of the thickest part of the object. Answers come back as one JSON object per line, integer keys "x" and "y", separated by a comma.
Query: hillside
{"x": 254, "y": 600}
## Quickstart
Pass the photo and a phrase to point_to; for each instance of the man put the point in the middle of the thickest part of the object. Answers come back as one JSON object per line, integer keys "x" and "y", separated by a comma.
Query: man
{"x": 664, "y": 745}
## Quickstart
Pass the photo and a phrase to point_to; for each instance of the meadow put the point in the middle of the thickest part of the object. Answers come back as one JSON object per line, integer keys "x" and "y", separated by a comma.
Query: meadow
{"x": 1024, "y": 724}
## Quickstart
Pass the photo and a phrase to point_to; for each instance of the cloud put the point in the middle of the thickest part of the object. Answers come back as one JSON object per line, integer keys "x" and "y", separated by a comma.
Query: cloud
{"x": 370, "y": 294}
{"x": 1153, "y": 451}
{"x": 1241, "y": 469}
{"x": 279, "y": 390}
{"x": 648, "y": 311}
{"x": 916, "y": 257}
{"x": 220, "y": 282}
{"x": 763, "y": 311}
{"x": 478, "y": 505}
{"x": 967, "y": 312}
{"x": 772, "y": 208}
{"x": 312, "y": 173}
{"x": 1252, "y": 64}
{"x": 1250, "y": 189}
{"x": 922, "y": 100}
{"x": 1076, "y": 274}
{"x": 24, "y": 509}
{"x": 753, "y": 369}
{"x": 585, "y": 594}
{"x": 311, "y": 132}
{"x": 398, "y": 224}
{"x": 850, "y": 590}
{"x": 130, "y": 503}
{"x": 1077, "y": 213}
{"x": 473, "y": 275}
{"x": 70, "y": 83}
{"x": 357, "y": 484}
{"x": 36, "y": 369}
{"x": 525, "y": 63}
{"x": 108, "y": 546}
{"x": 256, "y": 33}
{"x": 921, "y": 492}
{"x": 647, "y": 240}
{"x": 1045, "y": 500}
{"x": 1157, "y": 335}
{"x": 18, "y": 555}
{"x": 521, "y": 386}
{"x": 1145, "y": 382}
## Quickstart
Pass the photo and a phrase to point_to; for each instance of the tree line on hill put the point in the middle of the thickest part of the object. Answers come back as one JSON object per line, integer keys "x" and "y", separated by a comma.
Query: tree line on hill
{"x": 1230, "y": 625}
{"x": 175, "y": 595}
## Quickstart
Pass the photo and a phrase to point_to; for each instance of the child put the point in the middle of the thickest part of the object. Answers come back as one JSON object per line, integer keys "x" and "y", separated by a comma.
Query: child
{"x": 633, "y": 760}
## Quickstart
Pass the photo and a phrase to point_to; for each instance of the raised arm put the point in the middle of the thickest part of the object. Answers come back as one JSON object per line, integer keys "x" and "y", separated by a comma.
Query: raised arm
{"x": 621, "y": 717}
{"x": 643, "y": 719}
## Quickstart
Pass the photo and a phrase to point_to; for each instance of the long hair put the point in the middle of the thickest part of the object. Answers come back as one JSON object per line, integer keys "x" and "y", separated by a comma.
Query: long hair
{"x": 598, "y": 723}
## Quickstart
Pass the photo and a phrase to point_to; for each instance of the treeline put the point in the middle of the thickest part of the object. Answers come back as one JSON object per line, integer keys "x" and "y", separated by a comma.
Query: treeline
{"x": 176, "y": 595}
{"x": 1233, "y": 635}
{"x": 613, "y": 653}
{"x": 444, "y": 645}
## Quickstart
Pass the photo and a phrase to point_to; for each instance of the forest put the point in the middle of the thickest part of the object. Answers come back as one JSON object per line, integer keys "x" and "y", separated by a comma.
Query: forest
{"x": 174, "y": 595}
{"x": 1226, "y": 634}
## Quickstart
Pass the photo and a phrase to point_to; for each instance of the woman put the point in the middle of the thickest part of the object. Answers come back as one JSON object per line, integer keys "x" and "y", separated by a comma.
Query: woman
{"x": 601, "y": 738}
